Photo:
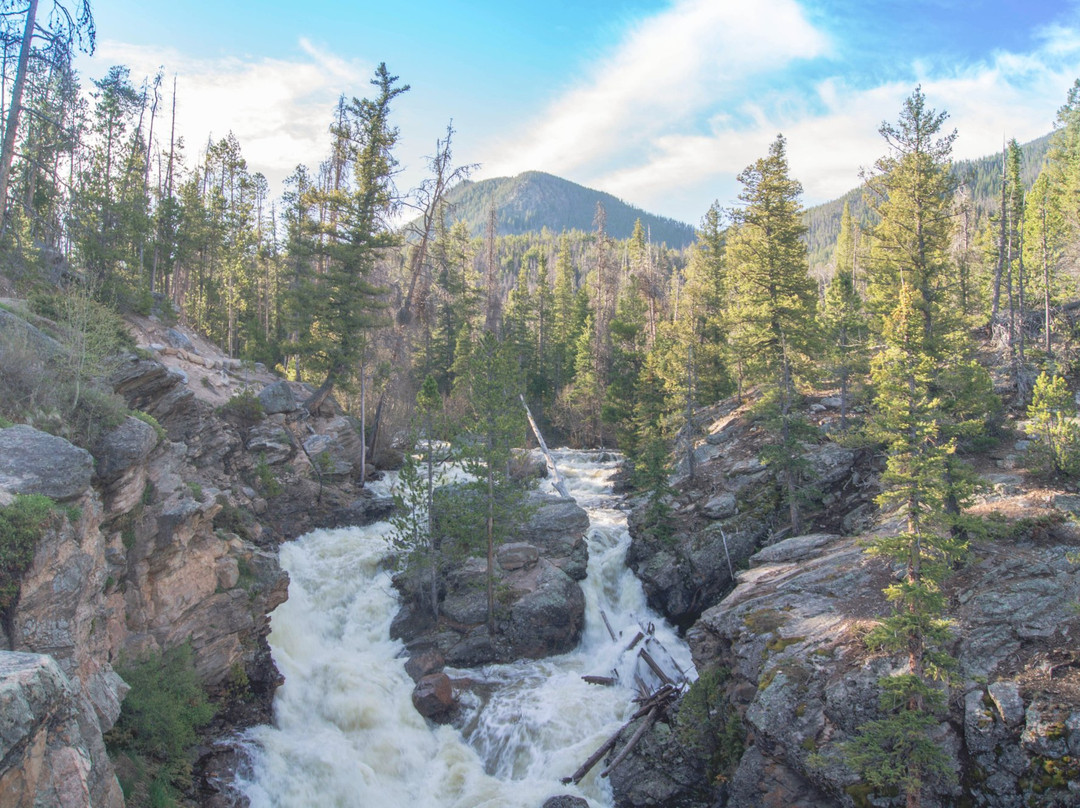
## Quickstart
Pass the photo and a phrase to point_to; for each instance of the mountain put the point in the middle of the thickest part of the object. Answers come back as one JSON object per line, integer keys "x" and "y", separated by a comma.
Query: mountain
{"x": 982, "y": 176}
{"x": 534, "y": 200}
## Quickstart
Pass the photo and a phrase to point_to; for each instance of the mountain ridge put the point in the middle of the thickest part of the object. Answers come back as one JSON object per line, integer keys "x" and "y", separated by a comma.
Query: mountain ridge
{"x": 534, "y": 200}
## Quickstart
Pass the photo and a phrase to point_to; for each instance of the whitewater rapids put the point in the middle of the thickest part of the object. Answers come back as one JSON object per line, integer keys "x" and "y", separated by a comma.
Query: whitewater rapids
{"x": 345, "y": 732}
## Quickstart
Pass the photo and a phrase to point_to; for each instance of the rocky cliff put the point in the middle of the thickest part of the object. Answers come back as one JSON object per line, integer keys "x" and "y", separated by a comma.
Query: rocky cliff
{"x": 786, "y": 676}
{"x": 168, "y": 536}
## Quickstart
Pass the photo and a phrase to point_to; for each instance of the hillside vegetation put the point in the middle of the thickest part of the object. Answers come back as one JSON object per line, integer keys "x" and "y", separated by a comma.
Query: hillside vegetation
{"x": 534, "y": 201}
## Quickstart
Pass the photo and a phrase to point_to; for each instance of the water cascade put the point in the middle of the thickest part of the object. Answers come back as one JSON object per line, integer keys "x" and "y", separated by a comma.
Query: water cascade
{"x": 345, "y": 731}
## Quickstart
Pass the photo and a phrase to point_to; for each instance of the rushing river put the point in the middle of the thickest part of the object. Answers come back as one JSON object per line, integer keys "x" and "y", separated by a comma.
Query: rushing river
{"x": 345, "y": 732}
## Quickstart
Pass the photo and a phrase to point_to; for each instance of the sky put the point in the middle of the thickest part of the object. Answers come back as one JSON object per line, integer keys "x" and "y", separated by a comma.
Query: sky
{"x": 659, "y": 102}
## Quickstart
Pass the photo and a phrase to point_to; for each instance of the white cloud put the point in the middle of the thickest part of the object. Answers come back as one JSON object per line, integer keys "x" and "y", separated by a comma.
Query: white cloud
{"x": 279, "y": 109}
{"x": 678, "y": 110}
{"x": 668, "y": 68}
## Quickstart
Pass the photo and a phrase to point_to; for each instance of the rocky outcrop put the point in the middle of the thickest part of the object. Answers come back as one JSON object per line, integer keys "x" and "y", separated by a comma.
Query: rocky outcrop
{"x": 539, "y": 610}
{"x": 51, "y": 753}
{"x": 800, "y": 680}
{"x": 35, "y": 462}
{"x": 729, "y": 510}
{"x": 277, "y": 398}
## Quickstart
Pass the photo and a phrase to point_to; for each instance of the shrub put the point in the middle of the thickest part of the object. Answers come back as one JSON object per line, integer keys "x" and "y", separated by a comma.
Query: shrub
{"x": 158, "y": 723}
{"x": 244, "y": 406}
{"x": 267, "y": 481}
{"x": 21, "y": 526}
{"x": 1053, "y": 416}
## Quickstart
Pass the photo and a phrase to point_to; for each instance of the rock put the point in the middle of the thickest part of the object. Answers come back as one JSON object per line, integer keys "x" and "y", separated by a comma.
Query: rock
{"x": 721, "y": 506}
{"x": 565, "y": 801}
{"x": 549, "y": 619}
{"x": 517, "y": 555}
{"x": 34, "y": 462}
{"x": 832, "y": 402}
{"x": 424, "y": 663}
{"x": 1006, "y": 697}
{"x": 433, "y": 697}
{"x": 17, "y": 334}
{"x": 47, "y": 756}
{"x": 270, "y": 443}
{"x": 830, "y": 464}
{"x": 123, "y": 448}
{"x": 327, "y": 454}
{"x": 1069, "y": 503}
{"x": 556, "y": 527}
{"x": 277, "y": 397}
{"x": 792, "y": 549}
{"x": 179, "y": 340}
{"x": 751, "y": 465}
{"x": 660, "y": 772}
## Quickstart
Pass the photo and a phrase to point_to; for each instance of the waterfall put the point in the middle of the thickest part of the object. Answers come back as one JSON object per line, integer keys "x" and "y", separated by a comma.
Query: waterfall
{"x": 345, "y": 732}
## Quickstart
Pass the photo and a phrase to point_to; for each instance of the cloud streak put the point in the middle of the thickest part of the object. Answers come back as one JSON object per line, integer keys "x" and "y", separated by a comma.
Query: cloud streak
{"x": 693, "y": 95}
{"x": 667, "y": 70}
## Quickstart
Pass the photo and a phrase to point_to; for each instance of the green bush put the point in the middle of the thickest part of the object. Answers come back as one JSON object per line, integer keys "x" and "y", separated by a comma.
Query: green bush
{"x": 1053, "y": 416}
{"x": 708, "y": 724}
{"x": 21, "y": 526}
{"x": 244, "y": 406}
{"x": 158, "y": 725}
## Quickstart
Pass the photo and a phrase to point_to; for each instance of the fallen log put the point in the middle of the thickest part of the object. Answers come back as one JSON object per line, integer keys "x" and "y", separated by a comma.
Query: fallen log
{"x": 655, "y": 668}
{"x": 638, "y": 638}
{"x": 594, "y": 758}
{"x": 556, "y": 478}
{"x": 648, "y": 722}
{"x": 600, "y": 680}
{"x": 610, "y": 631}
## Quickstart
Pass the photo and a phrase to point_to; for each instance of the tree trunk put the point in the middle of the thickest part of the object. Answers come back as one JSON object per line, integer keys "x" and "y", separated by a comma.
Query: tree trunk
{"x": 7, "y": 155}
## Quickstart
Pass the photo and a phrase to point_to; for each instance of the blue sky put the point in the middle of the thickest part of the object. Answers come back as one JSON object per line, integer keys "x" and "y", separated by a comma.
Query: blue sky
{"x": 659, "y": 103}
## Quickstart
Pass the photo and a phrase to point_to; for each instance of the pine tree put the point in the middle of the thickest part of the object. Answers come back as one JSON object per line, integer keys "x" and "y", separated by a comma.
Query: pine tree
{"x": 494, "y": 387}
{"x": 414, "y": 531}
{"x": 843, "y": 324}
{"x": 357, "y": 231}
{"x": 774, "y": 300}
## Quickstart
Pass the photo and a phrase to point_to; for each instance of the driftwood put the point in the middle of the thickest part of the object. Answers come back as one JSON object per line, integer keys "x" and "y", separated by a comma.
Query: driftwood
{"x": 610, "y": 631}
{"x": 556, "y": 478}
{"x": 648, "y": 722}
{"x": 600, "y": 680}
{"x": 638, "y": 638}
{"x": 647, "y": 657}
{"x": 594, "y": 758}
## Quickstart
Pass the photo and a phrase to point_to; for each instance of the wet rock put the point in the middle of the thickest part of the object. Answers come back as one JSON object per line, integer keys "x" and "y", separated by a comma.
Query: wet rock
{"x": 35, "y": 462}
{"x": 424, "y": 663}
{"x": 566, "y": 801}
{"x": 277, "y": 397}
{"x": 433, "y": 697}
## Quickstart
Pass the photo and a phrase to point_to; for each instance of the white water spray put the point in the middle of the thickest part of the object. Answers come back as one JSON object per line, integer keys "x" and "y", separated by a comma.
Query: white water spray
{"x": 345, "y": 731}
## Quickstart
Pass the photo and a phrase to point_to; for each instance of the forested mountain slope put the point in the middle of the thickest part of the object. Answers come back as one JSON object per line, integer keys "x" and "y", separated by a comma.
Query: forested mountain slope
{"x": 980, "y": 179}
{"x": 533, "y": 200}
